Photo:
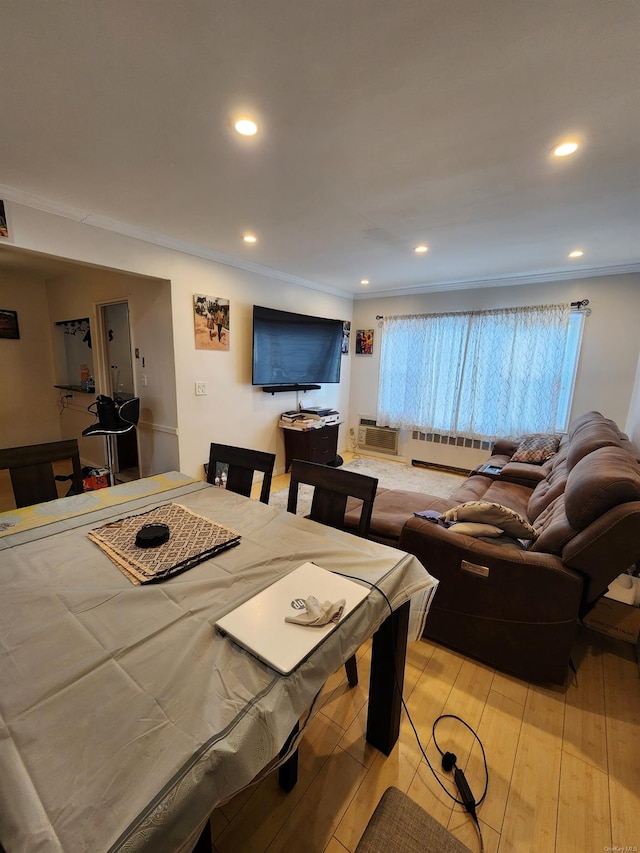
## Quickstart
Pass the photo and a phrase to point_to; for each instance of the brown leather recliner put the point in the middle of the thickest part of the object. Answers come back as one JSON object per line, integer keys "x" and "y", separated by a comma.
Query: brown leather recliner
{"x": 514, "y": 606}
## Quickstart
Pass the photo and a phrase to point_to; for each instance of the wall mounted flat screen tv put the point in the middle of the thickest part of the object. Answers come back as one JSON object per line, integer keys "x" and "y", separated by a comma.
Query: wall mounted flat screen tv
{"x": 294, "y": 349}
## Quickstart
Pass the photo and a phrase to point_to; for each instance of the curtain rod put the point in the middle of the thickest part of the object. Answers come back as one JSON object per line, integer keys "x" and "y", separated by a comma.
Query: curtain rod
{"x": 579, "y": 305}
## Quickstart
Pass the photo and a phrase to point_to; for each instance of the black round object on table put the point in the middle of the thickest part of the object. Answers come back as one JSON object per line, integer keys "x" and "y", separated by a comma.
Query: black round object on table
{"x": 152, "y": 535}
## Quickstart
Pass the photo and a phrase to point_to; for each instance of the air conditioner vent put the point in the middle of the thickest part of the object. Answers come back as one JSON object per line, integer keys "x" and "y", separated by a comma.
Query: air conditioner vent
{"x": 379, "y": 438}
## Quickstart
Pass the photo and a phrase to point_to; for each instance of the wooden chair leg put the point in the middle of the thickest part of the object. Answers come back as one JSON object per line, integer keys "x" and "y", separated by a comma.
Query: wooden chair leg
{"x": 351, "y": 668}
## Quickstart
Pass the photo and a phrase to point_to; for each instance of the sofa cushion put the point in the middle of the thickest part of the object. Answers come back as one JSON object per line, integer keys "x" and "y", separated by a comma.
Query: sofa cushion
{"x": 391, "y": 509}
{"x": 609, "y": 476}
{"x": 536, "y": 448}
{"x": 553, "y": 528}
{"x": 588, "y": 438}
{"x": 547, "y": 490}
{"x": 486, "y": 512}
{"x": 581, "y": 420}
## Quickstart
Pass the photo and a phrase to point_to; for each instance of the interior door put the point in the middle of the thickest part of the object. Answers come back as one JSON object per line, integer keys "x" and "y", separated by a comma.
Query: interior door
{"x": 117, "y": 338}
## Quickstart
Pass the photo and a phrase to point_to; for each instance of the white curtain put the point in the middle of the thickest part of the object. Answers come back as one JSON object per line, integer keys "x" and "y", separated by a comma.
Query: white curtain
{"x": 480, "y": 374}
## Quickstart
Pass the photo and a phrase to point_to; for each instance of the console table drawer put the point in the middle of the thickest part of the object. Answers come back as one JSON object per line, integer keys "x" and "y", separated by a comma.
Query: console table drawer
{"x": 314, "y": 445}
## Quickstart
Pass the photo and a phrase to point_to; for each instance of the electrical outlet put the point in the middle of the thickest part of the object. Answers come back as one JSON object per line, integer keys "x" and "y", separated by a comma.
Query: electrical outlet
{"x": 201, "y": 389}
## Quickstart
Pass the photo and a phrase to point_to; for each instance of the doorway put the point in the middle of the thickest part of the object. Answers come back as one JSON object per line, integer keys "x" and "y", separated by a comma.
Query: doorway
{"x": 117, "y": 379}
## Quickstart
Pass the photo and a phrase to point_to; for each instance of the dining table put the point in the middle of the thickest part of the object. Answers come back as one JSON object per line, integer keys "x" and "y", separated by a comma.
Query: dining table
{"x": 125, "y": 717}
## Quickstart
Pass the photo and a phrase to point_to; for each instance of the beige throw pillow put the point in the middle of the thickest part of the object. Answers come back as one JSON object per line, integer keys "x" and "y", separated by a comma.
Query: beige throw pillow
{"x": 473, "y": 528}
{"x": 486, "y": 512}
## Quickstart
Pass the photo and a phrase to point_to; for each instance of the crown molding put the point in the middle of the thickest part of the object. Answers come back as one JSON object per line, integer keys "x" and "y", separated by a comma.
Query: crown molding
{"x": 85, "y": 217}
{"x": 503, "y": 281}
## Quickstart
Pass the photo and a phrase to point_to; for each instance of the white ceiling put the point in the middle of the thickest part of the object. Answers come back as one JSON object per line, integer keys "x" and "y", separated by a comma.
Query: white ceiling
{"x": 383, "y": 123}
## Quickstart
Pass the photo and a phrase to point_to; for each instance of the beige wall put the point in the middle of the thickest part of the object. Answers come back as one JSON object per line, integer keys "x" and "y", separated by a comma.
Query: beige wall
{"x": 77, "y": 294}
{"x": 608, "y": 362}
{"x": 28, "y": 411}
{"x": 233, "y": 411}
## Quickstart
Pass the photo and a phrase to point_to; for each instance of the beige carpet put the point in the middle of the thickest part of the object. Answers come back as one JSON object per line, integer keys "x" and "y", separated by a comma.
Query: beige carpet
{"x": 391, "y": 475}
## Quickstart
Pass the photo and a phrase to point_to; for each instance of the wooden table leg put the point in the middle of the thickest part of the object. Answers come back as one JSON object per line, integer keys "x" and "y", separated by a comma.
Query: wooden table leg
{"x": 288, "y": 772}
{"x": 387, "y": 679}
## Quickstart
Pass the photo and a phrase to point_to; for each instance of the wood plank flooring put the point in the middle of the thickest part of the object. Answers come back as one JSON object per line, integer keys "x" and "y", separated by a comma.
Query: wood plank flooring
{"x": 564, "y": 762}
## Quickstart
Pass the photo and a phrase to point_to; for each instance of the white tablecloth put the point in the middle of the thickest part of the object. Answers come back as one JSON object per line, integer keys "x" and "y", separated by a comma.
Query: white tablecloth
{"x": 124, "y": 717}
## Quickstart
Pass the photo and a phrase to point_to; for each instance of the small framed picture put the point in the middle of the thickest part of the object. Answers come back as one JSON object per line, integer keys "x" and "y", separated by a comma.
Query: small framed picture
{"x": 9, "y": 324}
{"x": 4, "y": 228}
{"x": 364, "y": 342}
{"x": 211, "y": 318}
{"x": 346, "y": 335}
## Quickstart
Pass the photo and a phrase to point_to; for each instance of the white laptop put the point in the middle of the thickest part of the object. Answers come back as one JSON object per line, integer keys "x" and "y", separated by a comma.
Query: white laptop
{"x": 258, "y": 625}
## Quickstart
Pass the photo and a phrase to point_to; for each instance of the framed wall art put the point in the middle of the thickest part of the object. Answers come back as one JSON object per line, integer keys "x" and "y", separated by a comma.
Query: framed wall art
{"x": 4, "y": 228}
{"x": 346, "y": 336}
{"x": 364, "y": 342}
{"x": 9, "y": 324}
{"x": 211, "y": 322}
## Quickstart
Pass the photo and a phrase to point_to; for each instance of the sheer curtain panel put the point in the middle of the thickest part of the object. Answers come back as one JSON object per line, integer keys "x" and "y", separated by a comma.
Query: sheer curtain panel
{"x": 479, "y": 374}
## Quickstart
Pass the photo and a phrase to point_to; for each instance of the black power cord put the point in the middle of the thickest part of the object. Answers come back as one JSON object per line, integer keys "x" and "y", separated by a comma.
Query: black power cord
{"x": 467, "y": 801}
{"x": 449, "y": 763}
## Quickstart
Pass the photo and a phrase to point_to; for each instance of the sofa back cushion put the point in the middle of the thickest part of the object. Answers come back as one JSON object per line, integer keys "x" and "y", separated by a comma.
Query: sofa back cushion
{"x": 607, "y": 477}
{"x": 553, "y": 529}
{"x": 548, "y": 489}
{"x": 581, "y": 420}
{"x": 602, "y": 480}
{"x": 590, "y": 437}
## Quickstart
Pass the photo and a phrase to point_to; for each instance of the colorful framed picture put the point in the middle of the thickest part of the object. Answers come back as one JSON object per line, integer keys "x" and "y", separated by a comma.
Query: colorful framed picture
{"x": 4, "y": 228}
{"x": 211, "y": 322}
{"x": 346, "y": 335}
{"x": 364, "y": 342}
{"x": 9, "y": 324}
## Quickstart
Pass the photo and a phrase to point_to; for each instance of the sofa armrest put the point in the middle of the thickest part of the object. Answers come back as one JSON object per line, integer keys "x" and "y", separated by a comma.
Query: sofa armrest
{"x": 504, "y": 447}
{"x": 478, "y": 577}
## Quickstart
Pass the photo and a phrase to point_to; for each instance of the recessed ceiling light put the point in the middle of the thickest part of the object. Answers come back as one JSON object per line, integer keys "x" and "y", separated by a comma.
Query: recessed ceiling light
{"x": 246, "y": 127}
{"x": 421, "y": 249}
{"x": 577, "y": 253}
{"x": 364, "y": 281}
{"x": 565, "y": 148}
{"x": 249, "y": 238}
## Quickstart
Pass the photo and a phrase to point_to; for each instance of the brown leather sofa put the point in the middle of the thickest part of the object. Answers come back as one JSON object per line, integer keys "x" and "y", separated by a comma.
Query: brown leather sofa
{"x": 511, "y": 604}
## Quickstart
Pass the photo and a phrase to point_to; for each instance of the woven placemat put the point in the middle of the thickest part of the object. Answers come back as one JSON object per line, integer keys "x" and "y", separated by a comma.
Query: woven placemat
{"x": 193, "y": 539}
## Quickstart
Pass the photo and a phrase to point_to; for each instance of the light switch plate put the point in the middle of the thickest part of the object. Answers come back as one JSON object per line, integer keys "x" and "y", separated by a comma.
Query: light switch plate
{"x": 201, "y": 389}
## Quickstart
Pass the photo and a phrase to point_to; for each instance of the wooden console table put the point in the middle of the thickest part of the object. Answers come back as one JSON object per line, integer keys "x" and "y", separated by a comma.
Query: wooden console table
{"x": 311, "y": 445}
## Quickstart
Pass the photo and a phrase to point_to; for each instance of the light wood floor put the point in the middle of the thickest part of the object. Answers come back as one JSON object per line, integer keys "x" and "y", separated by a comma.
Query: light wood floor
{"x": 564, "y": 762}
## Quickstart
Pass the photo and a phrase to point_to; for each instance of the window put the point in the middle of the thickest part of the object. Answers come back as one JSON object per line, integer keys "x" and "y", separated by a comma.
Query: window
{"x": 480, "y": 374}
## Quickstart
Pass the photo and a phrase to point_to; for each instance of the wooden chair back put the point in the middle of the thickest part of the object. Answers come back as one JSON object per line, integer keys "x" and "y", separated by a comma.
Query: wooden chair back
{"x": 242, "y": 462}
{"x": 31, "y": 470}
{"x": 332, "y": 489}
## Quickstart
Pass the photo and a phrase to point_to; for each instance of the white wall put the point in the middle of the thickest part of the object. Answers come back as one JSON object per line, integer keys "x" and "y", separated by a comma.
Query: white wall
{"x": 609, "y": 356}
{"x": 632, "y": 427}
{"x": 76, "y": 294}
{"x": 28, "y": 411}
{"x": 233, "y": 411}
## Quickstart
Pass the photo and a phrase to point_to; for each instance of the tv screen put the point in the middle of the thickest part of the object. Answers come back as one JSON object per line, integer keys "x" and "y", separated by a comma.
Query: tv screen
{"x": 294, "y": 349}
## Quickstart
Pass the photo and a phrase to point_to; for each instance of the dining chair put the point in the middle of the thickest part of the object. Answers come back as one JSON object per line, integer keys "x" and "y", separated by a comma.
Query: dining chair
{"x": 242, "y": 462}
{"x": 31, "y": 470}
{"x": 332, "y": 489}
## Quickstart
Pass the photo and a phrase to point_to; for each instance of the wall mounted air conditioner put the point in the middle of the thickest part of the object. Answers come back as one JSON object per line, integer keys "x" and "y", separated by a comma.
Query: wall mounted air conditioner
{"x": 382, "y": 439}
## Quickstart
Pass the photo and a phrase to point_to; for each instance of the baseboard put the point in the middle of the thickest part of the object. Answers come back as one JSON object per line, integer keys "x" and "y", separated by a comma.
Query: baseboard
{"x": 452, "y": 469}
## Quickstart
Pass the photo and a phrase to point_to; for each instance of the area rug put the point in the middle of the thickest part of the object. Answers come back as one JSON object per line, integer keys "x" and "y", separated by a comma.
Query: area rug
{"x": 390, "y": 474}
